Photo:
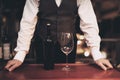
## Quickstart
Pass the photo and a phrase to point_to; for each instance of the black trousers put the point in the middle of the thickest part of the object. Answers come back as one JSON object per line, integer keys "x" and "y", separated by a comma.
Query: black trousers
{"x": 59, "y": 56}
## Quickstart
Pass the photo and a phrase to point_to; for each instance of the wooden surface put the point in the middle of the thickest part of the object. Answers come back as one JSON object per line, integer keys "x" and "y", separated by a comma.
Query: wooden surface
{"x": 78, "y": 72}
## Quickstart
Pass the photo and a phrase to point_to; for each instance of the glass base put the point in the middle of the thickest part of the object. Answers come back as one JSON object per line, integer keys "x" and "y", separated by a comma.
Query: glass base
{"x": 66, "y": 69}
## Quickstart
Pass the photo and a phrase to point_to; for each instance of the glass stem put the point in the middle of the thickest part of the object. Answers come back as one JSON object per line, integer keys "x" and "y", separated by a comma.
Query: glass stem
{"x": 66, "y": 60}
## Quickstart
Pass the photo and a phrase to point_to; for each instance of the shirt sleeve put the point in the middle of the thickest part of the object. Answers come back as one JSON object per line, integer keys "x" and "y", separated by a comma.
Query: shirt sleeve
{"x": 89, "y": 26}
{"x": 27, "y": 28}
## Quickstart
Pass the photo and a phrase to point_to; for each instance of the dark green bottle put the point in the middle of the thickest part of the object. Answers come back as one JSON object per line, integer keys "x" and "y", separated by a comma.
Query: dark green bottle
{"x": 48, "y": 50}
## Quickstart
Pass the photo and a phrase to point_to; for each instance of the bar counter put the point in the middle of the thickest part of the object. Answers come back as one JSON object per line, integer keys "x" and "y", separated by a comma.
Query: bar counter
{"x": 78, "y": 72}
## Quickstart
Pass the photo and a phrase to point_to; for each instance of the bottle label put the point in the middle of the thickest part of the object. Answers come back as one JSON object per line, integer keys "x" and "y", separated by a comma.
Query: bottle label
{"x": 6, "y": 49}
{"x": 0, "y": 52}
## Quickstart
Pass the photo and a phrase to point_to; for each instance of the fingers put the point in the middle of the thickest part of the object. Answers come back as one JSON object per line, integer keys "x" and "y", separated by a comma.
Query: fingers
{"x": 9, "y": 64}
{"x": 13, "y": 67}
{"x": 108, "y": 64}
{"x": 104, "y": 64}
{"x": 12, "y": 64}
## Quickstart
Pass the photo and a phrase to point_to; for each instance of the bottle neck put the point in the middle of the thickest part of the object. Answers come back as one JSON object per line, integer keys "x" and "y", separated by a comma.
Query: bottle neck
{"x": 48, "y": 33}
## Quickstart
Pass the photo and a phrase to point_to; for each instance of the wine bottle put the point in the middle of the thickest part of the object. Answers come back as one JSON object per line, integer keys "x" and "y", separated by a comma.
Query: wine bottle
{"x": 5, "y": 40}
{"x": 48, "y": 50}
{"x": 1, "y": 54}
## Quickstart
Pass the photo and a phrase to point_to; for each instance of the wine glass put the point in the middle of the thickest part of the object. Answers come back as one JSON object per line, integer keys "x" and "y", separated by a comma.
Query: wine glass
{"x": 66, "y": 41}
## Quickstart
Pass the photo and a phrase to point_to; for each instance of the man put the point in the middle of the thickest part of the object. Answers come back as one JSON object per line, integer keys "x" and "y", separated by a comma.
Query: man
{"x": 60, "y": 11}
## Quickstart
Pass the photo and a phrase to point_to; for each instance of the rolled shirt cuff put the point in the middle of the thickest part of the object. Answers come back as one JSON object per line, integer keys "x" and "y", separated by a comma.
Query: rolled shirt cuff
{"x": 20, "y": 56}
{"x": 96, "y": 54}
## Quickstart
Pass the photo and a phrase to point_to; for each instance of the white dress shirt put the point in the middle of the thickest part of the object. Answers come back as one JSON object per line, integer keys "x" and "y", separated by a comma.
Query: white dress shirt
{"x": 88, "y": 25}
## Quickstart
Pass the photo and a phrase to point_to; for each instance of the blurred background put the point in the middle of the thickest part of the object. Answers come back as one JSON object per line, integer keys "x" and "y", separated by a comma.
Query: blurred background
{"x": 108, "y": 16}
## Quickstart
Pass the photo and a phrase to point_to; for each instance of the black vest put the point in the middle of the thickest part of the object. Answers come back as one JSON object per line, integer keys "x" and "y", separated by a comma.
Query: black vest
{"x": 62, "y": 18}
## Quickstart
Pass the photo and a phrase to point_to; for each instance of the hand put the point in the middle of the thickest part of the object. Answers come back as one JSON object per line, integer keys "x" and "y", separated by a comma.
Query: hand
{"x": 104, "y": 64}
{"x": 13, "y": 64}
